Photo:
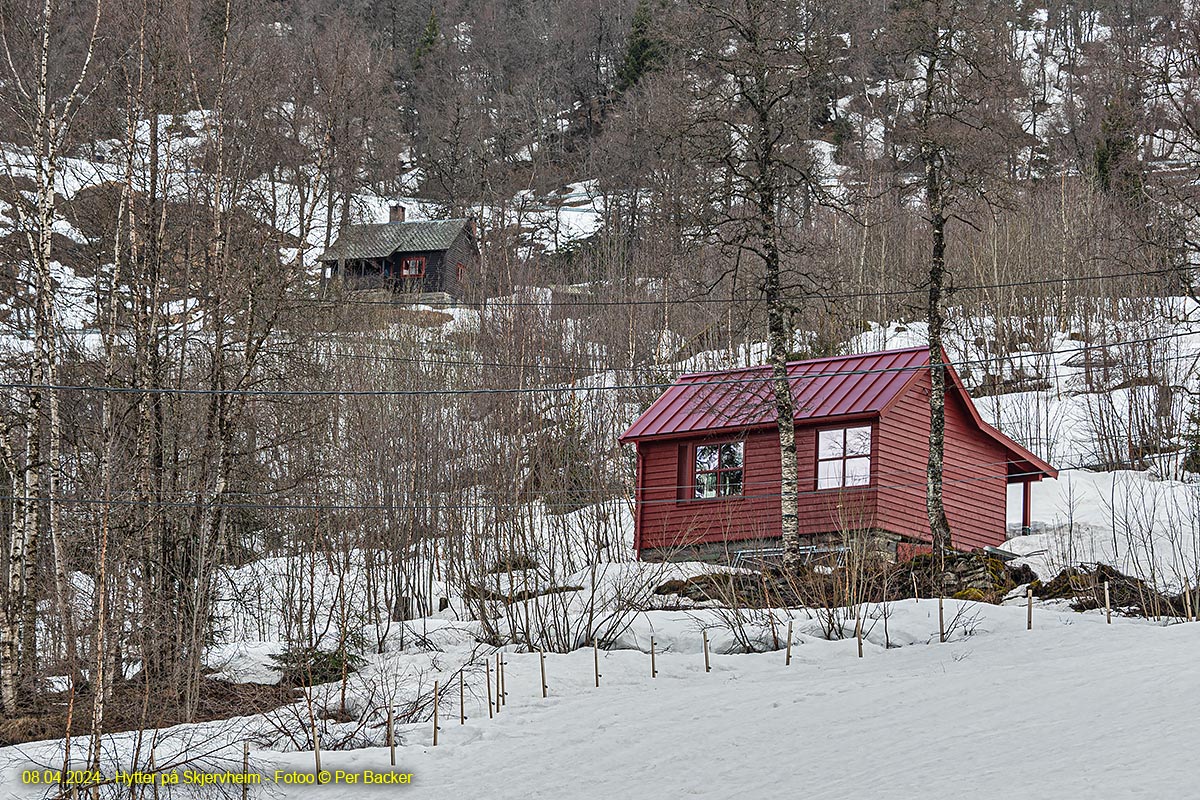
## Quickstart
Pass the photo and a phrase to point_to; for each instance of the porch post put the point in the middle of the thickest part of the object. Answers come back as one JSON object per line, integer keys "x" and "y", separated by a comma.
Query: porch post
{"x": 1026, "y": 506}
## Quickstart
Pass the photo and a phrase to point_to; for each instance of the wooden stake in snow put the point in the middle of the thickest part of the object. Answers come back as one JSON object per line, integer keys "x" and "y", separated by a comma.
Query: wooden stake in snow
{"x": 503, "y": 683}
{"x": 462, "y": 700}
{"x": 788, "y": 661}
{"x": 435, "y": 714}
{"x": 498, "y": 685}
{"x": 1107, "y": 605}
{"x": 316, "y": 750}
{"x": 596, "y": 660}
{"x": 1029, "y": 608}
{"x": 542, "y": 660}
{"x": 653, "y": 666}
{"x": 488, "y": 669}
{"x": 941, "y": 620}
{"x": 1187, "y": 603}
{"x": 707, "y": 665}
{"x": 391, "y": 736}
{"x": 858, "y": 633}
{"x": 245, "y": 769}
{"x": 916, "y": 594}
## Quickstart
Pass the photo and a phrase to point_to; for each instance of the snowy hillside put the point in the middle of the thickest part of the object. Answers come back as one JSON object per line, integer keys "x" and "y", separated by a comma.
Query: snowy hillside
{"x": 996, "y": 711}
{"x": 999, "y": 713}
{"x": 257, "y": 505}
{"x": 994, "y": 695}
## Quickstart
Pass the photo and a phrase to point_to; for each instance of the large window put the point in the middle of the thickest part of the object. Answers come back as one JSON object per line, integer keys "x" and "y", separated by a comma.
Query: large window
{"x": 718, "y": 470}
{"x": 412, "y": 266}
{"x": 844, "y": 457}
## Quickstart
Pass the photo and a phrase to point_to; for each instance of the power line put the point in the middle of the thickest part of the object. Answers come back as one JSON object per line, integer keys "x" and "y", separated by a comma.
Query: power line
{"x": 595, "y": 367}
{"x": 592, "y": 368}
{"x": 316, "y": 506}
{"x": 178, "y": 391}
{"x": 501, "y": 303}
{"x": 532, "y": 495}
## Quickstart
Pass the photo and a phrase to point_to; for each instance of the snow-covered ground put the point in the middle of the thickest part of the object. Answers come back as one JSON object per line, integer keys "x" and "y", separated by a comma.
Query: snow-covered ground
{"x": 995, "y": 711}
{"x": 1073, "y": 706}
{"x": 1133, "y": 521}
{"x": 1003, "y": 713}
{"x": 998, "y": 712}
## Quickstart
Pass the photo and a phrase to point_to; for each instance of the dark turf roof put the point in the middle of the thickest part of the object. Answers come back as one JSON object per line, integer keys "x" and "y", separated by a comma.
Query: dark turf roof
{"x": 384, "y": 239}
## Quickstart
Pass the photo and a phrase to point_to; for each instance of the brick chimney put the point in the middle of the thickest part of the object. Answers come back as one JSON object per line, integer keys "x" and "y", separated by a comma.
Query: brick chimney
{"x": 395, "y": 212}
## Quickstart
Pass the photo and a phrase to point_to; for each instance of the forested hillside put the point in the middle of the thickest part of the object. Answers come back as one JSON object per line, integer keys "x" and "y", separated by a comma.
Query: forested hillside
{"x": 195, "y": 423}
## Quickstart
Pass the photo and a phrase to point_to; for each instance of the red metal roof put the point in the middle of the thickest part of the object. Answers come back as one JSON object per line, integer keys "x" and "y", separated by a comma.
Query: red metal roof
{"x": 821, "y": 388}
{"x": 742, "y": 398}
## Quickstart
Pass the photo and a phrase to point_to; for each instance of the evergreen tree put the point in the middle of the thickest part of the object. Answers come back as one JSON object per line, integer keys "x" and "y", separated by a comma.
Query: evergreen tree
{"x": 644, "y": 53}
{"x": 1191, "y": 443}
{"x": 428, "y": 39}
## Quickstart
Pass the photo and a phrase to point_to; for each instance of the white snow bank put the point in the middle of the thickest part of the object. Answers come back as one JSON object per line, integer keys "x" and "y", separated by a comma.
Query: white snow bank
{"x": 1015, "y": 712}
{"x": 1130, "y": 520}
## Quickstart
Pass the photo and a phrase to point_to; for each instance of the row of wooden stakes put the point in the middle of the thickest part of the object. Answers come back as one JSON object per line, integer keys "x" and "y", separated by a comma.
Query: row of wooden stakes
{"x": 497, "y": 694}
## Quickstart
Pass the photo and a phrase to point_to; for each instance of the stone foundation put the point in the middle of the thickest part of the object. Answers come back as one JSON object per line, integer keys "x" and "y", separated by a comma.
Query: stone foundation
{"x": 828, "y": 548}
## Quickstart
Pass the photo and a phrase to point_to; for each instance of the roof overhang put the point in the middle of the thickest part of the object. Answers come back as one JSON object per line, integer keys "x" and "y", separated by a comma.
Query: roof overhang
{"x": 1023, "y": 464}
{"x": 802, "y": 422}
{"x": 823, "y": 389}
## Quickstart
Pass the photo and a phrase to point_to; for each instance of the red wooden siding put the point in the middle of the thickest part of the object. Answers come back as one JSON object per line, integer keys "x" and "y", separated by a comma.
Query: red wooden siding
{"x": 884, "y": 390}
{"x": 975, "y": 472}
{"x": 667, "y": 517}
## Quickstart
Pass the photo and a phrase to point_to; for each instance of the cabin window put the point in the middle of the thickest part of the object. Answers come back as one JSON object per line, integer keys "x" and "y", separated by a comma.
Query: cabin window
{"x": 717, "y": 470}
{"x": 460, "y": 271}
{"x": 844, "y": 457}
{"x": 412, "y": 266}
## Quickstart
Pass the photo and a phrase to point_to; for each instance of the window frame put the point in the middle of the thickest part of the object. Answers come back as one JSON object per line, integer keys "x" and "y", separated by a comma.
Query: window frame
{"x": 401, "y": 271}
{"x": 689, "y": 492}
{"x": 870, "y": 456}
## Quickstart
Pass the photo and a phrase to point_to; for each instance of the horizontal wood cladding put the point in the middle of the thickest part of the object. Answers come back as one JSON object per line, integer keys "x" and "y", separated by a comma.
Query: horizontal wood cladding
{"x": 461, "y": 252}
{"x": 975, "y": 484}
{"x": 975, "y": 487}
{"x": 667, "y": 516}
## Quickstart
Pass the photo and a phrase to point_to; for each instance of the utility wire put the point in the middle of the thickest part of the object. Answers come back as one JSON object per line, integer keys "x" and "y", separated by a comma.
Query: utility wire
{"x": 700, "y": 503}
{"x": 757, "y": 378}
{"x": 536, "y": 494}
{"x": 585, "y": 370}
{"x": 564, "y": 300}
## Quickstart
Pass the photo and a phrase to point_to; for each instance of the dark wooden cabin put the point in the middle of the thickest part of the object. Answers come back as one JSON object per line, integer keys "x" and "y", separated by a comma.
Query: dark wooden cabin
{"x": 708, "y": 471}
{"x": 411, "y": 257}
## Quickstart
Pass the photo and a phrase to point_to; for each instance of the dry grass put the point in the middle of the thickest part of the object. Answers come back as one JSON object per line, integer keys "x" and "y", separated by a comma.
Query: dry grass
{"x": 129, "y": 709}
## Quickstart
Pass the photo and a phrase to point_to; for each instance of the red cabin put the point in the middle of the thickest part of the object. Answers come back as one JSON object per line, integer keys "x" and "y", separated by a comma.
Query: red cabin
{"x": 708, "y": 460}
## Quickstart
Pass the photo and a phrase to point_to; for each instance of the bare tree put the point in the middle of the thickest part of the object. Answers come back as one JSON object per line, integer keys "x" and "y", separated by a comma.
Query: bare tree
{"x": 44, "y": 99}
{"x": 760, "y": 61}
{"x": 958, "y": 131}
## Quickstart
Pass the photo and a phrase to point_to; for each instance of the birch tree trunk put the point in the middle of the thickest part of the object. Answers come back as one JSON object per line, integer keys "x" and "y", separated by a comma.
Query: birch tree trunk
{"x": 780, "y": 345}
{"x": 48, "y": 122}
{"x": 9, "y": 634}
{"x": 939, "y": 525}
{"x": 932, "y": 159}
